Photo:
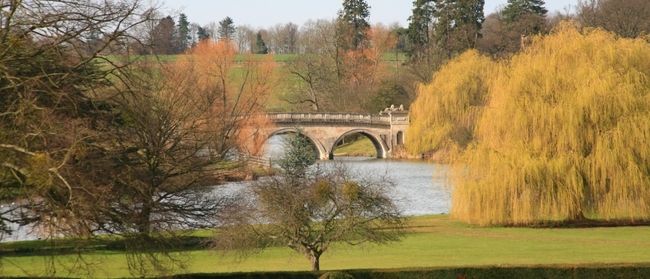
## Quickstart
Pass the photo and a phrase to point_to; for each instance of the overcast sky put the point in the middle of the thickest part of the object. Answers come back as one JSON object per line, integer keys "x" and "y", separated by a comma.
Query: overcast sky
{"x": 267, "y": 13}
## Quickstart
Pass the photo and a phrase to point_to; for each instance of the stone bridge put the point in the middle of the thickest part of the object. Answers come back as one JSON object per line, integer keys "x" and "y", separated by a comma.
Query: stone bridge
{"x": 385, "y": 130}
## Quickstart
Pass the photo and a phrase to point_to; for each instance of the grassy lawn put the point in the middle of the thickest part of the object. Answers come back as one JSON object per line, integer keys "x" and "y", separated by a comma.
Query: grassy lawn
{"x": 362, "y": 147}
{"x": 431, "y": 241}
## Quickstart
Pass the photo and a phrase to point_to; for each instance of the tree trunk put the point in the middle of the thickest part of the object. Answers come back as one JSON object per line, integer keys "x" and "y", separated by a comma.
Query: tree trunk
{"x": 576, "y": 216}
{"x": 315, "y": 262}
{"x": 143, "y": 220}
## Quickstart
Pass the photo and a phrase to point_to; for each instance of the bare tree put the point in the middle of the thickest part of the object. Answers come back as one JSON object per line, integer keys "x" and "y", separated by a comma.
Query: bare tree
{"x": 50, "y": 121}
{"x": 245, "y": 37}
{"x": 292, "y": 36}
{"x": 502, "y": 39}
{"x": 628, "y": 18}
{"x": 274, "y": 40}
{"x": 309, "y": 209}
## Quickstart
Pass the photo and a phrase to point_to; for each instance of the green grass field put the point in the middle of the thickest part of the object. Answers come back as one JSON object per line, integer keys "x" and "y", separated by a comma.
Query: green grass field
{"x": 362, "y": 147}
{"x": 432, "y": 241}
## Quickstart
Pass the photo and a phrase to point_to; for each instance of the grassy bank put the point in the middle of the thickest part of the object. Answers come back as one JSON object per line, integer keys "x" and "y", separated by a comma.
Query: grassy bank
{"x": 432, "y": 241}
{"x": 358, "y": 148}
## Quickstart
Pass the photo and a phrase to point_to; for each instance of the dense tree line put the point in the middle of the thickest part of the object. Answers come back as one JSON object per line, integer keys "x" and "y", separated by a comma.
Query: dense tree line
{"x": 337, "y": 71}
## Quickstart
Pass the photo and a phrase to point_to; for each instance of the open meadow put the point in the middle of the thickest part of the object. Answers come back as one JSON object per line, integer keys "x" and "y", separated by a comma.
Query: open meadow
{"x": 431, "y": 241}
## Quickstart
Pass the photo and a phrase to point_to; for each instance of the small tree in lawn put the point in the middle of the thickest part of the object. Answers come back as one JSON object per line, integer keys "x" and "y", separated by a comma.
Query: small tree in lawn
{"x": 307, "y": 208}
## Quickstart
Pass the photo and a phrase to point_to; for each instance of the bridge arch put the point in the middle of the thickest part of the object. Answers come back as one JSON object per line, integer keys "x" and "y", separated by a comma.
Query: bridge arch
{"x": 319, "y": 148}
{"x": 379, "y": 143}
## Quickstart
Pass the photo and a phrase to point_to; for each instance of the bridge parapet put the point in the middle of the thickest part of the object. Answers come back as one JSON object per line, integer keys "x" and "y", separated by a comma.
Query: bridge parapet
{"x": 326, "y": 130}
{"x": 384, "y": 120}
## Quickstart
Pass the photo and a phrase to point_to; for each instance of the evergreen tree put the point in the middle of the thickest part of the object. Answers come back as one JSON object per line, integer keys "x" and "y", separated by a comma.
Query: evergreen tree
{"x": 226, "y": 28}
{"x": 260, "y": 46}
{"x": 524, "y": 18}
{"x": 458, "y": 23}
{"x": 202, "y": 33}
{"x": 298, "y": 157}
{"x": 183, "y": 33}
{"x": 517, "y": 8}
{"x": 419, "y": 30}
{"x": 164, "y": 37}
{"x": 353, "y": 24}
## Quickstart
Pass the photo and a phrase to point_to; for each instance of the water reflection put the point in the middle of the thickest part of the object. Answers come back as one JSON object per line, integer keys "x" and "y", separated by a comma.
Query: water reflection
{"x": 417, "y": 190}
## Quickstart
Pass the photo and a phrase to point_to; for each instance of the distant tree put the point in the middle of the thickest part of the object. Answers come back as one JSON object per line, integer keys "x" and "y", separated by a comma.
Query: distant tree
{"x": 310, "y": 208}
{"x": 425, "y": 55}
{"x": 353, "y": 24}
{"x": 291, "y": 37}
{"x": 496, "y": 39}
{"x": 244, "y": 38}
{"x": 283, "y": 38}
{"x": 332, "y": 78}
{"x": 516, "y": 8}
{"x": 165, "y": 38}
{"x": 420, "y": 28}
{"x": 184, "y": 36}
{"x": 628, "y": 18}
{"x": 509, "y": 29}
{"x": 318, "y": 47}
{"x": 212, "y": 28}
{"x": 401, "y": 34}
{"x": 226, "y": 29}
{"x": 202, "y": 33}
{"x": 457, "y": 24}
{"x": 388, "y": 93}
{"x": 260, "y": 46}
{"x": 528, "y": 17}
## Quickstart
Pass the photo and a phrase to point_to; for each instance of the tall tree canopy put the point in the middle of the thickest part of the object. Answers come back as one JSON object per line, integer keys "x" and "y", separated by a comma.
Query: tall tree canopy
{"x": 516, "y": 8}
{"x": 420, "y": 24}
{"x": 439, "y": 30}
{"x": 457, "y": 24}
{"x": 511, "y": 28}
{"x": 184, "y": 36}
{"x": 353, "y": 21}
{"x": 628, "y": 18}
{"x": 563, "y": 134}
{"x": 260, "y": 45}
{"x": 164, "y": 37}
{"x": 226, "y": 28}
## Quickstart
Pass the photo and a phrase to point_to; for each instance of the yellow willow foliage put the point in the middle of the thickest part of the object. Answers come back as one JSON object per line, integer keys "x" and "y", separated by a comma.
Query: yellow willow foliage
{"x": 566, "y": 134}
{"x": 444, "y": 112}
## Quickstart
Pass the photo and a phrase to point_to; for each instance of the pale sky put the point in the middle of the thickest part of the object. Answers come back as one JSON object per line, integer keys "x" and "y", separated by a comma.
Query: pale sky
{"x": 267, "y": 13}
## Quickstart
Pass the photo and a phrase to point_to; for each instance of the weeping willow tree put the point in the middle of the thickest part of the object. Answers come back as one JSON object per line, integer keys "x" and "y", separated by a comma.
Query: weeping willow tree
{"x": 446, "y": 110}
{"x": 564, "y": 135}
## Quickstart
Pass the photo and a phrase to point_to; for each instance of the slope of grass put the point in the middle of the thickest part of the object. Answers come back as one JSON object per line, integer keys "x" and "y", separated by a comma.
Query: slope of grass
{"x": 362, "y": 147}
{"x": 432, "y": 241}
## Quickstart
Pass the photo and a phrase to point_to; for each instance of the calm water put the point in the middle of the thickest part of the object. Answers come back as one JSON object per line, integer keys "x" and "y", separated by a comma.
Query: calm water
{"x": 416, "y": 192}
